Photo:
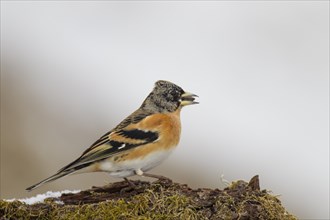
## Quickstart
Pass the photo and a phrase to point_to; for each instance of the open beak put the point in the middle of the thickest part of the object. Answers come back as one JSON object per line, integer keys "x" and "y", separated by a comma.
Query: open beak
{"x": 187, "y": 98}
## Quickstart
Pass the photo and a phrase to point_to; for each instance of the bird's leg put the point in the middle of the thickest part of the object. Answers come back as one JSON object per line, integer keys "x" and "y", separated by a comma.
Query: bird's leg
{"x": 155, "y": 176}
{"x": 130, "y": 182}
{"x": 141, "y": 173}
{"x": 131, "y": 186}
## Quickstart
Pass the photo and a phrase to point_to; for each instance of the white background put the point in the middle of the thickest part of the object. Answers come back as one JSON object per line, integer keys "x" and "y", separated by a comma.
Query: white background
{"x": 70, "y": 71}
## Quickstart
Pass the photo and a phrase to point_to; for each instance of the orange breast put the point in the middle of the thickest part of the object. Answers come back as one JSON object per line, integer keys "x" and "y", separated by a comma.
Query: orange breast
{"x": 168, "y": 127}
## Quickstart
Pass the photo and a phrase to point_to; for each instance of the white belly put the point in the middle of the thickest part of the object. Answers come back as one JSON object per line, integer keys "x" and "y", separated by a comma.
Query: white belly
{"x": 128, "y": 168}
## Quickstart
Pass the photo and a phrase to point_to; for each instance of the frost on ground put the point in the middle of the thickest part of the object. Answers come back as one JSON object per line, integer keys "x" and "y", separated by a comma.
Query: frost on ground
{"x": 41, "y": 197}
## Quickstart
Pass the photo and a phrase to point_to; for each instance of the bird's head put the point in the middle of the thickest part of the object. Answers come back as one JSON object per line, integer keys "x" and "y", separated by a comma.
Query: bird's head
{"x": 168, "y": 97}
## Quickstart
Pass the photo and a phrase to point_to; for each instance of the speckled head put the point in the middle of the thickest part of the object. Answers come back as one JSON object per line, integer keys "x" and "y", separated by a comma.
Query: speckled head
{"x": 168, "y": 97}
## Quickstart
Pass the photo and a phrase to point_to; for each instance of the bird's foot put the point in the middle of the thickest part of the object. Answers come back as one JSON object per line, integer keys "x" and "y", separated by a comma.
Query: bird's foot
{"x": 131, "y": 187}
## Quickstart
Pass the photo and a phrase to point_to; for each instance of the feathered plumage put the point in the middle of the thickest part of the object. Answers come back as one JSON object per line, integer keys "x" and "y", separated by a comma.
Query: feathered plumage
{"x": 140, "y": 142}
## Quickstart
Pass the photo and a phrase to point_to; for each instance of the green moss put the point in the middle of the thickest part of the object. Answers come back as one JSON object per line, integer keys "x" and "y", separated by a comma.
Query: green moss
{"x": 148, "y": 205}
{"x": 251, "y": 205}
{"x": 158, "y": 201}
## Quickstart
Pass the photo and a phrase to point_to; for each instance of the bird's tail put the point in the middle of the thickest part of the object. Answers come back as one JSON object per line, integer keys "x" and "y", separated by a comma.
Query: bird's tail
{"x": 49, "y": 179}
{"x": 75, "y": 167}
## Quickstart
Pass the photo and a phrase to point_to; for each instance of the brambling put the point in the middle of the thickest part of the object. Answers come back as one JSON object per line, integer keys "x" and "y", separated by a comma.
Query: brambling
{"x": 140, "y": 142}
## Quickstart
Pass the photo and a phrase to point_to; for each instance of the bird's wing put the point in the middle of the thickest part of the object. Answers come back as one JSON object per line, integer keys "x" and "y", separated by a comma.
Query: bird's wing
{"x": 125, "y": 136}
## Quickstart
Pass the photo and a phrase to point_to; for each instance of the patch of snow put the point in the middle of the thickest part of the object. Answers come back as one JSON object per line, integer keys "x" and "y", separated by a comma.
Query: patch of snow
{"x": 59, "y": 202}
{"x": 41, "y": 197}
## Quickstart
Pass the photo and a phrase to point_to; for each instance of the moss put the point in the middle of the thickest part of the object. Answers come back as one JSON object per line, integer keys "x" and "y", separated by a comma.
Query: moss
{"x": 158, "y": 200}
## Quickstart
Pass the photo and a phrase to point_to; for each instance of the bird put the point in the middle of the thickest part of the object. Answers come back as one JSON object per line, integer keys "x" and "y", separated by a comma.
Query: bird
{"x": 140, "y": 142}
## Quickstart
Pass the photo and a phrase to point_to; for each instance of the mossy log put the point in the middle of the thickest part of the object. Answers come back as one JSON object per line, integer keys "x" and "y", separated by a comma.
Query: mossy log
{"x": 161, "y": 199}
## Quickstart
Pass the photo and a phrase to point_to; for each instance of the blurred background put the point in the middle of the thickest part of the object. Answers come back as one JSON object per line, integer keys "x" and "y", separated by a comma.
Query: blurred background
{"x": 70, "y": 71}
